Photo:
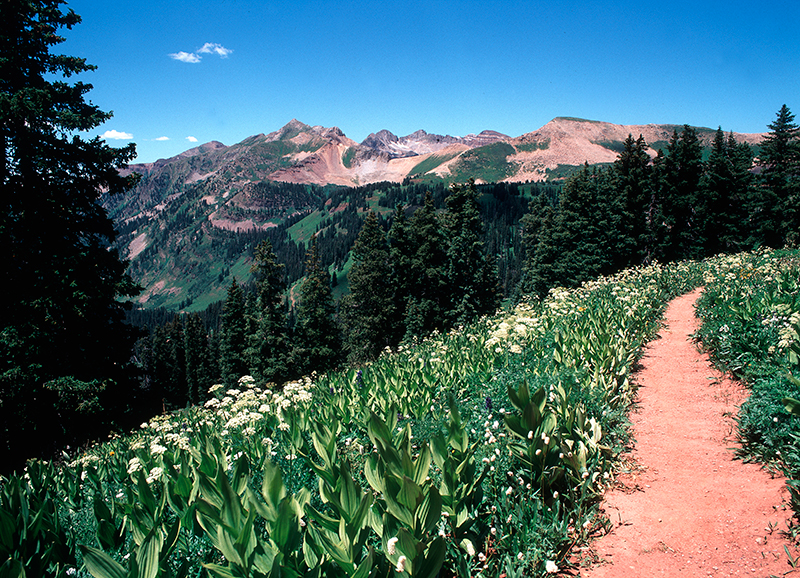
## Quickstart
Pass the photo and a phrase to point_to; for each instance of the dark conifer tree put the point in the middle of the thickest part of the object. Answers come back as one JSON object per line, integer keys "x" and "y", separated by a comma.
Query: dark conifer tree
{"x": 402, "y": 280}
{"x": 725, "y": 190}
{"x": 677, "y": 178}
{"x": 175, "y": 386}
{"x": 233, "y": 339}
{"x": 538, "y": 227}
{"x": 269, "y": 350}
{"x": 368, "y": 310}
{"x": 471, "y": 275}
{"x": 317, "y": 335}
{"x": 428, "y": 292}
{"x": 64, "y": 346}
{"x": 778, "y": 214}
{"x": 632, "y": 172}
{"x": 198, "y": 378}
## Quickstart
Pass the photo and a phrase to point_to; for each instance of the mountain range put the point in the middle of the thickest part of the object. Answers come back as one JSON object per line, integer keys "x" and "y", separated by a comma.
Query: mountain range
{"x": 167, "y": 223}
{"x": 299, "y": 153}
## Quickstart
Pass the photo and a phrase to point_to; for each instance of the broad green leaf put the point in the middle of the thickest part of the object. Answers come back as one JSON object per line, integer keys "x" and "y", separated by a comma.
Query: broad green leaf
{"x": 231, "y": 511}
{"x": 410, "y": 494}
{"x": 792, "y": 405}
{"x": 395, "y": 509}
{"x": 333, "y": 548}
{"x": 171, "y": 539}
{"x": 107, "y": 534}
{"x": 422, "y": 465}
{"x": 220, "y": 571}
{"x": 246, "y": 542}
{"x": 101, "y": 565}
{"x": 323, "y": 520}
{"x": 272, "y": 487}
{"x": 285, "y": 532}
{"x": 430, "y": 510}
{"x": 349, "y": 495}
{"x": 265, "y": 562}
{"x": 373, "y": 475}
{"x": 226, "y": 543}
{"x": 364, "y": 569}
{"x": 101, "y": 511}
{"x": 148, "y": 556}
{"x": 241, "y": 475}
{"x": 146, "y": 497}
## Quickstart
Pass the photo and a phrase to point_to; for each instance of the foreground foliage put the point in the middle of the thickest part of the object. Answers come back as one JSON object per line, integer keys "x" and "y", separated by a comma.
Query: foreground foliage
{"x": 751, "y": 326}
{"x": 473, "y": 453}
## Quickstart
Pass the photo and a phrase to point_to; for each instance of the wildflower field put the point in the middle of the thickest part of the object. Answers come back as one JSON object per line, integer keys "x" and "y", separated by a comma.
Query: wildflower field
{"x": 477, "y": 453}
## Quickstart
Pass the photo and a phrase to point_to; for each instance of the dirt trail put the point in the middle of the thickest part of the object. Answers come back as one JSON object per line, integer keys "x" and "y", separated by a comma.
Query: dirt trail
{"x": 688, "y": 508}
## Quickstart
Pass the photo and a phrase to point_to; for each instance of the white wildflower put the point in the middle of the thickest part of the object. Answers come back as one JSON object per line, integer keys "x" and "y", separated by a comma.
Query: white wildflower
{"x": 401, "y": 564}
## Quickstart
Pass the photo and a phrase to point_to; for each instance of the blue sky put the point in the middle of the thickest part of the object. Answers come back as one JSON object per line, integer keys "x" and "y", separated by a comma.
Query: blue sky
{"x": 177, "y": 74}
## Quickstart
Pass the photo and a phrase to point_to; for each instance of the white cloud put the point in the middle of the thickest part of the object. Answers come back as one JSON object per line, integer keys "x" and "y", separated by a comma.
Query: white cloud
{"x": 214, "y": 48}
{"x": 162, "y": 138}
{"x": 185, "y": 57}
{"x": 208, "y": 48}
{"x": 191, "y": 139}
{"x": 116, "y": 135}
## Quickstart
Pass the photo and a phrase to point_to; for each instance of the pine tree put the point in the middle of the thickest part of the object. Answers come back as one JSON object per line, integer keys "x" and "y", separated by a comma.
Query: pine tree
{"x": 402, "y": 279}
{"x": 317, "y": 334}
{"x": 269, "y": 351}
{"x": 233, "y": 339}
{"x": 63, "y": 342}
{"x": 540, "y": 251}
{"x": 677, "y": 179}
{"x": 779, "y": 159}
{"x": 722, "y": 213}
{"x": 175, "y": 393}
{"x": 368, "y": 310}
{"x": 428, "y": 292}
{"x": 471, "y": 274}
{"x": 632, "y": 172}
{"x": 198, "y": 379}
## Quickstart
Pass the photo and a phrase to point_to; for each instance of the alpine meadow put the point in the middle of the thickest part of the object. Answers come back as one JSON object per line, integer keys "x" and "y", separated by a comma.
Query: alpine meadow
{"x": 300, "y": 355}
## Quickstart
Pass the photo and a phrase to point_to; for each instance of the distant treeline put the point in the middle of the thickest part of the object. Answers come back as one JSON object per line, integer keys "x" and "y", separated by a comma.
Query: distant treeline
{"x": 675, "y": 206}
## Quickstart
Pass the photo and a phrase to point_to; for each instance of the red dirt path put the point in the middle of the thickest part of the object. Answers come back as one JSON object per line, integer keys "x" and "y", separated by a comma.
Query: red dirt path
{"x": 687, "y": 507}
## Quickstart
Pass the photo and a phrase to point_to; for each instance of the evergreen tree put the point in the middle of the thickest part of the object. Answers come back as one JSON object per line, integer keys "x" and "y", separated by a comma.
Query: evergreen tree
{"x": 317, "y": 334}
{"x": 175, "y": 387}
{"x": 427, "y": 289}
{"x": 233, "y": 339}
{"x": 538, "y": 228}
{"x": 368, "y": 310}
{"x": 722, "y": 213}
{"x": 402, "y": 279}
{"x": 585, "y": 228}
{"x": 471, "y": 274}
{"x": 269, "y": 347}
{"x": 676, "y": 183}
{"x": 63, "y": 343}
{"x": 779, "y": 207}
{"x": 198, "y": 378}
{"x": 632, "y": 173}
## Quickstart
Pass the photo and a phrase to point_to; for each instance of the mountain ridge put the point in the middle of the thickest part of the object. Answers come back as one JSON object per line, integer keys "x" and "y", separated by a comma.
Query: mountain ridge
{"x": 305, "y": 154}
